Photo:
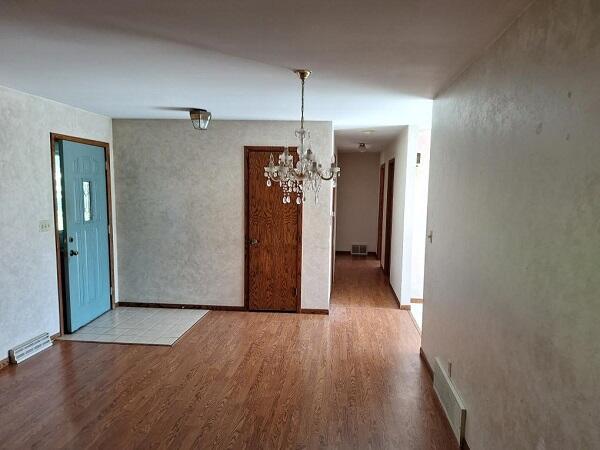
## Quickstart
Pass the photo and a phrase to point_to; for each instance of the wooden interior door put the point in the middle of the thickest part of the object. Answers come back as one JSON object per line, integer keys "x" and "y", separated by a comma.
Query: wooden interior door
{"x": 273, "y": 239}
{"x": 380, "y": 214}
{"x": 388, "y": 217}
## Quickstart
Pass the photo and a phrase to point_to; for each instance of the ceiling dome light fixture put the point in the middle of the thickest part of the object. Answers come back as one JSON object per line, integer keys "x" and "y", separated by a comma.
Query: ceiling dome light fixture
{"x": 362, "y": 147}
{"x": 200, "y": 118}
{"x": 307, "y": 173}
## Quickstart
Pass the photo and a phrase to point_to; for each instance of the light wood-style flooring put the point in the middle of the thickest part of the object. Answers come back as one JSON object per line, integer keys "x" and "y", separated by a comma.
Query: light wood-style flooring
{"x": 350, "y": 380}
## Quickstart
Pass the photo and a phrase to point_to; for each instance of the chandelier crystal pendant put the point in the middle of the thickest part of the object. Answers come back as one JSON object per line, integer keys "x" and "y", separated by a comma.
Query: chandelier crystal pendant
{"x": 307, "y": 174}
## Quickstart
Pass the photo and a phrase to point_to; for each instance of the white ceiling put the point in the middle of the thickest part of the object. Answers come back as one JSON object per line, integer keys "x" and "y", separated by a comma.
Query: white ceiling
{"x": 375, "y": 62}
{"x": 377, "y": 138}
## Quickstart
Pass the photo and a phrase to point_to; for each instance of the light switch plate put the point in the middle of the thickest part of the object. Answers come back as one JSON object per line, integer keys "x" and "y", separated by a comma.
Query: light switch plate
{"x": 45, "y": 226}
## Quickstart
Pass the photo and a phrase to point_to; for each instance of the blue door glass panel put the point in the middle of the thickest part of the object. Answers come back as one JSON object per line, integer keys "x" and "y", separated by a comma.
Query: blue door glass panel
{"x": 86, "y": 233}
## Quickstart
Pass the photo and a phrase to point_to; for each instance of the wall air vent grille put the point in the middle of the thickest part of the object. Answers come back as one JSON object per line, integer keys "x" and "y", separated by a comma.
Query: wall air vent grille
{"x": 359, "y": 249}
{"x": 450, "y": 400}
{"x": 27, "y": 349}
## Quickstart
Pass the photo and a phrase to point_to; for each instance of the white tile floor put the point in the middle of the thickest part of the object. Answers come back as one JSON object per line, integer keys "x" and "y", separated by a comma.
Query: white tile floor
{"x": 127, "y": 325}
{"x": 416, "y": 310}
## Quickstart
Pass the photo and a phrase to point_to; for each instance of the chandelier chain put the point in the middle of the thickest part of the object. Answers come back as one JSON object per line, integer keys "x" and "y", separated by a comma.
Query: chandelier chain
{"x": 302, "y": 108}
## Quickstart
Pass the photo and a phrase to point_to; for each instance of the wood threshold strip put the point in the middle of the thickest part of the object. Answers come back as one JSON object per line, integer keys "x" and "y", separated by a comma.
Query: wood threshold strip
{"x": 463, "y": 444}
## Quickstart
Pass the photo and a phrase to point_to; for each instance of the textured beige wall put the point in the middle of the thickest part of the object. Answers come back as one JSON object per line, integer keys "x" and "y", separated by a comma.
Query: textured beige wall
{"x": 180, "y": 204}
{"x": 28, "y": 286}
{"x": 357, "y": 201}
{"x": 512, "y": 283}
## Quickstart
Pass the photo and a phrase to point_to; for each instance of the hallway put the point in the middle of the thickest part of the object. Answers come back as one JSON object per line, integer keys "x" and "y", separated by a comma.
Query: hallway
{"x": 360, "y": 282}
{"x": 352, "y": 379}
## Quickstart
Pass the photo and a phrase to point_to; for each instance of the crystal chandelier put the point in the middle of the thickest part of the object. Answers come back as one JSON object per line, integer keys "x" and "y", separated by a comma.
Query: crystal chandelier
{"x": 307, "y": 173}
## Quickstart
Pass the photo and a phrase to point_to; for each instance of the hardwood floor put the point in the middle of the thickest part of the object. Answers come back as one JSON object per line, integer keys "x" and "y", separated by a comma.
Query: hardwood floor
{"x": 350, "y": 380}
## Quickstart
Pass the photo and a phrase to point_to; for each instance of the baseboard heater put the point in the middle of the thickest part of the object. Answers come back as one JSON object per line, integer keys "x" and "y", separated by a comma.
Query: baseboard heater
{"x": 27, "y": 349}
{"x": 450, "y": 400}
{"x": 359, "y": 250}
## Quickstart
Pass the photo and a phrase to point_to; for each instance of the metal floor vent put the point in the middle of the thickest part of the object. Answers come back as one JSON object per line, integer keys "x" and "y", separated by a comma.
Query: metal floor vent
{"x": 450, "y": 400}
{"x": 359, "y": 249}
{"x": 27, "y": 349}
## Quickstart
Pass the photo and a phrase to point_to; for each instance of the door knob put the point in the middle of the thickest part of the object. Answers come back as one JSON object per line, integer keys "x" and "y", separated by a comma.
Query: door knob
{"x": 73, "y": 253}
{"x": 253, "y": 241}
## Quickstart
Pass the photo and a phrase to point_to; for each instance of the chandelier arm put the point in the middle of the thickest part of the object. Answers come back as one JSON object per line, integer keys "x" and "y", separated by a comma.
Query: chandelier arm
{"x": 299, "y": 175}
{"x": 324, "y": 178}
{"x": 275, "y": 178}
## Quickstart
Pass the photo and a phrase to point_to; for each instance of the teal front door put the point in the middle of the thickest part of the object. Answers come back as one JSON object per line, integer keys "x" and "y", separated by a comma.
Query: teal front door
{"x": 85, "y": 238}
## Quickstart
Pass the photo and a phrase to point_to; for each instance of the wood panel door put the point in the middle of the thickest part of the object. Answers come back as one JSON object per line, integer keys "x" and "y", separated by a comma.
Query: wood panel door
{"x": 273, "y": 239}
{"x": 380, "y": 214}
{"x": 389, "y": 211}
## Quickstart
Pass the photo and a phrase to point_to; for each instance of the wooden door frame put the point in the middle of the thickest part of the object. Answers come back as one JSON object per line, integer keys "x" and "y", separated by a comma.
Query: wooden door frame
{"x": 380, "y": 212}
{"x": 62, "y": 295}
{"x": 389, "y": 213}
{"x": 265, "y": 149}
